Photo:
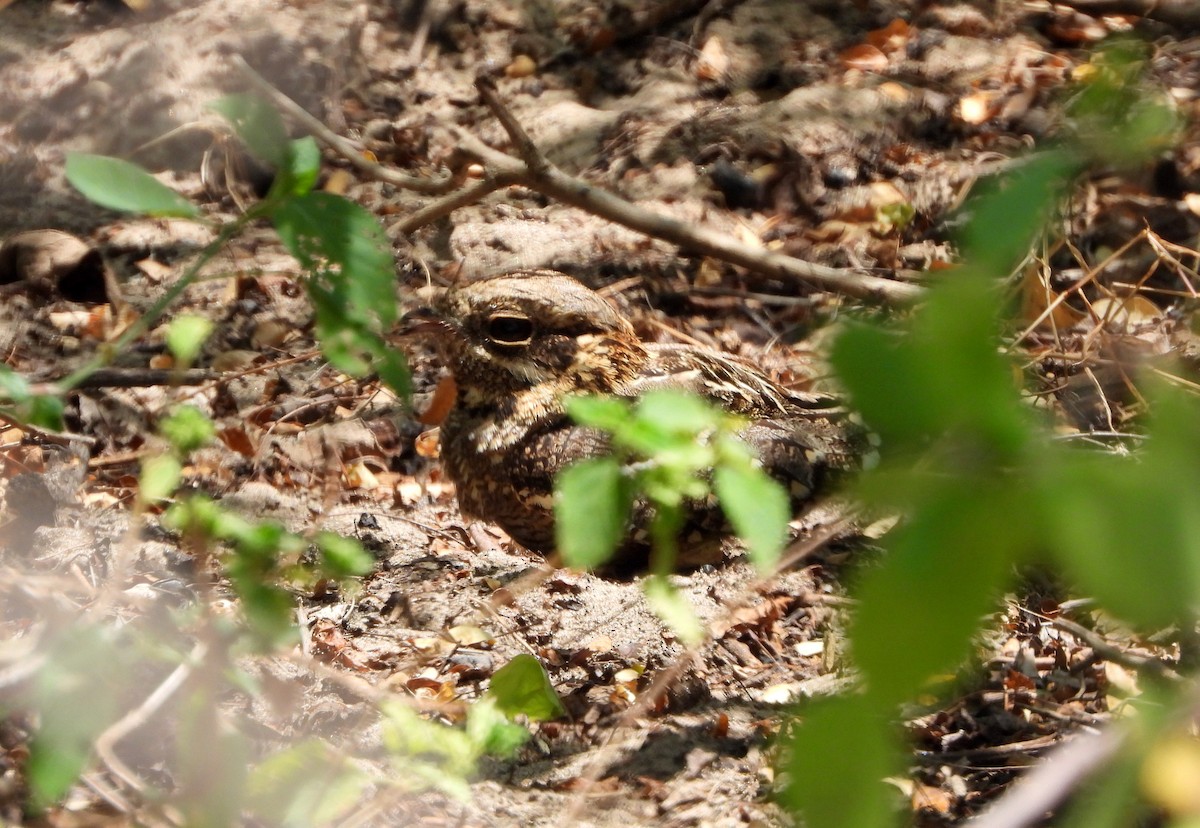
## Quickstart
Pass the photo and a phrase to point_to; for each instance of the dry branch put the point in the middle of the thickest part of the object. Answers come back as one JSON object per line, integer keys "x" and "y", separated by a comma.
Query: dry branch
{"x": 430, "y": 186}
{"x": 1053, "y": 781}
{"x": 1174, "y": 12}
{"x": 534, "y": 171}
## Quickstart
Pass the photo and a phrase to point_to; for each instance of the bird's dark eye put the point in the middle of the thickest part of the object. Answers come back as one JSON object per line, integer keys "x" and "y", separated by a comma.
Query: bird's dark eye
{"x": 509, "y": 330}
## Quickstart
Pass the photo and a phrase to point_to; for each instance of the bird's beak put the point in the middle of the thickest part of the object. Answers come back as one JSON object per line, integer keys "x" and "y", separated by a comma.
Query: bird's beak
{"x": 428, "y": 318}
{"x": 422, "y": 320}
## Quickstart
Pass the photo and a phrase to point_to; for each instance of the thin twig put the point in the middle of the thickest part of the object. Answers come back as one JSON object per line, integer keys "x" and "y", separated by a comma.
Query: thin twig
{"x": 140, "y": 378}
{"x": 1053, "y": 781}
{"x": 442, "y": 183}
{"x": 663, "y": 679}
{"x": 540, "y": 175}
{"x": 1111, "y": 652}
{"x": 1174, "y": 12}
{"x": 141, "y": 714}
{"x": 535, "y": 162}
{"x": 444, "y": 207}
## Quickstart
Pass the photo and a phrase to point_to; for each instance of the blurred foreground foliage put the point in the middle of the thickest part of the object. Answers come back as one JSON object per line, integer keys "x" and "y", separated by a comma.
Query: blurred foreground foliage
{"x": 985, "y": 487}
{"x": 982, "y": 484}
{"x": 98, "y": 682}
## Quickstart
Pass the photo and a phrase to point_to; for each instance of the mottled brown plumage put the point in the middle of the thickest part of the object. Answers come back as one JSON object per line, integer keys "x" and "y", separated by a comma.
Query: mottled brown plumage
{"x": 518, "y": 343}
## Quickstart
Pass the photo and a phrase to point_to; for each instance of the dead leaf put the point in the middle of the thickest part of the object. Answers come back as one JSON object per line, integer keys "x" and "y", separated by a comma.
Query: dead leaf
{"x": 156, "y": 272}
{"x": 469, "y": 634}
{"x": 1037, "y": 296}
{"x": 928, "y": 798}
{"x": 440, "y": 403}
{"x": 428, "y": 443}
{"x": 338, "y": 182}
{"x": 891, "y": 38}
{"x": 976, "y": 108}
{"x": 1120, "y": 314}
{"x": 236, "y": 439}
{"x": 713, "y": 62}
{"x": 895, "y": 92}
{"x": 69, "y": 322}
{"x": 865, "y": 57}
{"x": 54, "y": 263}
{"x": 235, "y": 360}
{"x": 359, "y": 476}
{"x": 810, "y": 648}
{"x": 599, "y": 644}
{"x": 522, "y": 66}
{"x": 409, "y": 491}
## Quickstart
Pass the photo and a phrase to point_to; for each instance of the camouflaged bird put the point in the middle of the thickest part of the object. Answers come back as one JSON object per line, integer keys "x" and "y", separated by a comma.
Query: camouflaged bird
{"x": 519, "y": 343}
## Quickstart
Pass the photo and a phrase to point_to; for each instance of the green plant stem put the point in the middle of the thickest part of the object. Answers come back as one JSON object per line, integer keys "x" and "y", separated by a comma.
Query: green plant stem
{"x": 155, "y": 311}
{"x": 664, "y": 538}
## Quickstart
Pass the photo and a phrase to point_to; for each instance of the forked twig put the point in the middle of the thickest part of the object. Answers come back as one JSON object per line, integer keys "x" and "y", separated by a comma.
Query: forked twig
{"x": 430, "y": 186}
{"x": 1052, "y": 781}
{"x": 141, "y": 714}
{"x": 663, "y": 679}
{"x": 536, "y": 172}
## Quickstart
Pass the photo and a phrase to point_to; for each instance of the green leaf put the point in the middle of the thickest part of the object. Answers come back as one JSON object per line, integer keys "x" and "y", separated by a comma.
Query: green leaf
{"x": 343, "y": 557}
{"x": 943, "y": 572}
{"x": 606, "y": 413}
{"x": 837, "y": 762}
{"x": 258, "y": 125}
{"x": 522, "y": 686}
{"x": 392, "y": 368}
{"x": 269, "y": 610}
{"x": 308, "y": 784}
{"x": 52, "y": 768}
{"x": 491, "y": 731}
{"x": 957, "y": 389}
{"x": 304, "y": 164}
{"x": 208, "y": 791}
{"x": 75, "y": 691}
{"x": 14, "y": 386}
{"x": 1127, "y": 529}
{"x": 758, "y": 508}
{"x": 195, "y": 515}
{"x": 187, "y": 428}
{"x": 345, "y": 248}
{"x": 159, "y": 478}
{"x": 44, "y": 411}
{"x": 186, "y": 336}
{"x": 676, "y": 412}
{"x": 592, "y": 503}
{"x": 119, "y": 185}
{"x": 258, "y": 544}
{"x": 673, "y": 608}
{"x": 428, "y": 754}
{"x": 1008, "y": 213}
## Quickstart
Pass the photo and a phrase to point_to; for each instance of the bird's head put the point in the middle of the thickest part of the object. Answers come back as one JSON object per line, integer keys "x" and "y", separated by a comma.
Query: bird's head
{"x": 534, "y": 329}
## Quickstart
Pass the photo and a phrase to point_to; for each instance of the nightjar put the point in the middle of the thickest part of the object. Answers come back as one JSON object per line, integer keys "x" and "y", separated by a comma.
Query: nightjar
{"x": 518, "y": 343}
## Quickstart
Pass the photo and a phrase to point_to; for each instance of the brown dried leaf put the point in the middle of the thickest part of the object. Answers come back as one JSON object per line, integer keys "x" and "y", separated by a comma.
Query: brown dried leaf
{"x": 1120, "y": 314}
{"x": 440, "y": 403}
{"x": 976, "y": 108}
{"x": 891, "y": 38}
{"x": 865, "y": 57}
{"x": 713, "y": 62}
{"x": 338, "y": 182}
{"x": 428, "y": 443}
{"x": 928, "y": 798}
{"x": 237, "y": 439}
{"x": 522, "y": 66}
